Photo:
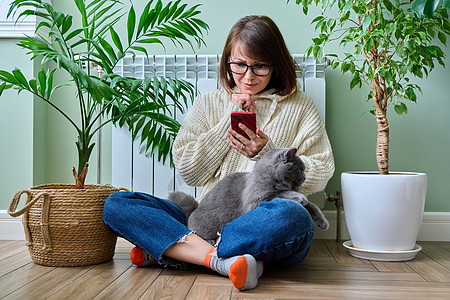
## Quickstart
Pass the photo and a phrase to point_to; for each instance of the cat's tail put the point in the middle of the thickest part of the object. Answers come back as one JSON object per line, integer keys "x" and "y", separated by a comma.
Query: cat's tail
{"x": 187, "y": 203}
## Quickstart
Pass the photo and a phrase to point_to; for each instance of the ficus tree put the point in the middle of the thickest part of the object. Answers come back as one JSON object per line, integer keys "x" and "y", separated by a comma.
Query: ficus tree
{"x": 89, "y": 52}
{"x": 385, "y": 43}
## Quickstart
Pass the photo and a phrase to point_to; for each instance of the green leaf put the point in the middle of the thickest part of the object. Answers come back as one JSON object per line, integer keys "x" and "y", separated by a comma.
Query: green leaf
{"x": 430, "y": 7}
{"x": 367, "y": 21}
{"x": 156, "y": 87}
{"x": 442, "y": 37}
{"x": 398, "y": 110}
{"x": 388, "y": 77}
{"x": 8, "y": 77}
{"x": 33, "y": 85}
{"x": 446, "y": 4}
{"x": 131, "y": 24}
{"x": 157, "y": 140}
{"x": 390, "y": 28}
{"x": 347, "y": 6}
{"x": 356, "y": 81}
{"x": 358, "y": 49}
{"x": 67, "y": 23}
{"x": 42, "y": 82}
{"x": 3, "y": 87}
{"x": 150, "y": 41}
{"x": 50, "y": 83}
{"x": 425, "y": 7}
{"x": 74, "y": 33}
{"x": 20, "y": 78}
{"x": 108, "y": 48}
{"x": 141, "y": 49}
{"x": 316, "y": 51}
{"x": 162, "y": 10}
{"x": 146, "y": 84}
{"x": 334, "y": 65}
{"x": 116, "y": 39}
{"x": 309, "y": 51}
{"x": 316, "y": 19}
{"x": 149, "y": 134}
{"x": 401, "y": 109}
{"x": 345, "y": 67}
{"x": 411, "y": 94}
{"x": 82, "y": 9}
{"x": 388, "y": 5}
{"x": 138, "y": 127}
{"x": 144, "y": 21}
{"x": 417, "y": 71}
{"x": 362, "y": 115}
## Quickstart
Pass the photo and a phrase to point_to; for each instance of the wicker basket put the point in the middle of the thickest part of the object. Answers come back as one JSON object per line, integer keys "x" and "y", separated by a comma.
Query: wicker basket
{"x": 63, "y": 225}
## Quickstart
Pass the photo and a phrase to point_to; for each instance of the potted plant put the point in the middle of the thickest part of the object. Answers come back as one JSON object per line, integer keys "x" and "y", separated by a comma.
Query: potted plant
{"x": 389, "y": 44}
{"x": 63, "y": 223}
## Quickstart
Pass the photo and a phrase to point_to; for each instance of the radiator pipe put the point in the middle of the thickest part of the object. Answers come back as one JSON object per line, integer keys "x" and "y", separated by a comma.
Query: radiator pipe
{"x": 337, "y": 199}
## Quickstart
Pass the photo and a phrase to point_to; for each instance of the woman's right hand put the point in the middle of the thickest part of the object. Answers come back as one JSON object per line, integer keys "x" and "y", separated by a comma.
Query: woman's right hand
{"x": 243, "y": 101}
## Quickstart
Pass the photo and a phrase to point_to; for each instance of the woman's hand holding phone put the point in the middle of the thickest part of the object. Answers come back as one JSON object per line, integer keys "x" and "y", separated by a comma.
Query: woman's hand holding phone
{"x": 248, "y": 147}
{"x": 256, "y": 140}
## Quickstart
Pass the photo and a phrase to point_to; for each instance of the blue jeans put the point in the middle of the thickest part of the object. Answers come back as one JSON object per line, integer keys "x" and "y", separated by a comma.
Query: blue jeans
{"x": 279, "y": 231}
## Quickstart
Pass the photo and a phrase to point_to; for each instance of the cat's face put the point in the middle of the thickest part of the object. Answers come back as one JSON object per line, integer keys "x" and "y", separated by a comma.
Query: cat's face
{"x": 285, "y": 166}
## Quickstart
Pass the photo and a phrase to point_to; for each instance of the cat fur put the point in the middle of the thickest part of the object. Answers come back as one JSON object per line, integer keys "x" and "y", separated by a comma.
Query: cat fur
{"x": 278, "y": 174}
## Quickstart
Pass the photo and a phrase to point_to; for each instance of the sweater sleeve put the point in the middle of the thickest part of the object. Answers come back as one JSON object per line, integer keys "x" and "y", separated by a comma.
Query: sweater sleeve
{"x": 314, "y": 148}
{"x": 201, "y": 143}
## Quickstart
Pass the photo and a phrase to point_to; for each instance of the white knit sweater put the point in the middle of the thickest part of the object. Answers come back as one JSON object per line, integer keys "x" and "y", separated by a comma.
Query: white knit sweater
{"x": 203, "y": 156}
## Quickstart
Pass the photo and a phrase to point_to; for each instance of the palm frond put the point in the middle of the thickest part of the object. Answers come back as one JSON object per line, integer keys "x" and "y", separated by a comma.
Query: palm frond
{"x": 87, "y": 39}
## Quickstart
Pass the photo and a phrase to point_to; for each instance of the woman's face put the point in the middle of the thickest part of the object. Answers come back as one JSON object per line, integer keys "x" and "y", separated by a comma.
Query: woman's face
{"x": 248, "y": 83}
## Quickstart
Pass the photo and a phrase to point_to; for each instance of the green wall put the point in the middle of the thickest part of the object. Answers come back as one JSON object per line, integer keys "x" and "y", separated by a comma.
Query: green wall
{"x": 420, "y": 141}
{"x": 16, "y": 133}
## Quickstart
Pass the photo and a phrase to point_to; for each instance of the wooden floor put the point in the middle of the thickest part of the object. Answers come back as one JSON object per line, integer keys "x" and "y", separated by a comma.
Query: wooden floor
{"x": 328, "y": 272}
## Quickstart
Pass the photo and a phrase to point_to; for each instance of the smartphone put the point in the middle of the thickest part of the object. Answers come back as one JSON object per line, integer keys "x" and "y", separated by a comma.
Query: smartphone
{"x": 244, "y": 117}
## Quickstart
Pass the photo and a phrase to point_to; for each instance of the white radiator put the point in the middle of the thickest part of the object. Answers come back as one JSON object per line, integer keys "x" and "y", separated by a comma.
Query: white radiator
{"x": 134, "y": 170}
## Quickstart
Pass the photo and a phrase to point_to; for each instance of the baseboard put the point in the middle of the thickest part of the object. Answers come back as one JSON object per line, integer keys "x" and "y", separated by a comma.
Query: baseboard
{"x": 435, "y": 227}
{"x": 10, "y": 228}
{"x": 331, "y": 233}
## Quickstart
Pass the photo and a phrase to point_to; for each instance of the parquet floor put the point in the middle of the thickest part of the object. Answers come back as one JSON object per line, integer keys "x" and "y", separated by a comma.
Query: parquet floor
{"x": 328, "y": 272}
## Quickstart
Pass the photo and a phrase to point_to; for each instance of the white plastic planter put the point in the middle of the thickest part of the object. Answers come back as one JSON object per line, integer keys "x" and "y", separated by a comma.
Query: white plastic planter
{"x": 384, "y": 212}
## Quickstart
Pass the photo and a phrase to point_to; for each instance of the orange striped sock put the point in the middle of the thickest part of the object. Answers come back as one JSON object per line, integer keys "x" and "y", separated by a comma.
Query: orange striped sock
{"x": 208, "y": 257}
{"x": 243, "y": 271}
{"x": 141, "y": 258}
{"x": 238, "y": 272}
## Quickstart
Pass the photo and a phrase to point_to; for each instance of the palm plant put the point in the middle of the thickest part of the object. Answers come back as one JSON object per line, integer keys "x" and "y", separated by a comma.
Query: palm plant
{"x": 89, "y": 54}
{"x": 390, "y": 43}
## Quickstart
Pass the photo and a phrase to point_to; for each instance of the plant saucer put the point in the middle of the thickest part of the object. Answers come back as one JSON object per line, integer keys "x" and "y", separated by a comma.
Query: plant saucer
{"x": 381, "y": 255}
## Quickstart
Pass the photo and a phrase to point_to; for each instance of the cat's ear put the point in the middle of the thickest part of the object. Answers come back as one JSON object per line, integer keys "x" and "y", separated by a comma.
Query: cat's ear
{"x": 291, "y": 152}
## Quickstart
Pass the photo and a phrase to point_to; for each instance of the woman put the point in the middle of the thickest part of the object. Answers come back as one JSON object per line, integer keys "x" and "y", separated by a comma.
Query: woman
{"x": 257, "y": 74}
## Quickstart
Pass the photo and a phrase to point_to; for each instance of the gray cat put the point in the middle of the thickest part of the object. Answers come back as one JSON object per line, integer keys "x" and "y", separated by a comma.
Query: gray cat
{"x": 278, "y": 174}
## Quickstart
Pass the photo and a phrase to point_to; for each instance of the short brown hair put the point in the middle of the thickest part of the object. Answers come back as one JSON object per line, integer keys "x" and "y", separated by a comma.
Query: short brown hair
{"x": 262, "y": 40}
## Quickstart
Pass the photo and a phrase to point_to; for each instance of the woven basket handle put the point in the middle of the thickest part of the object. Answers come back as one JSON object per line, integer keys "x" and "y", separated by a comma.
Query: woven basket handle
{"x": 29, "y": 202}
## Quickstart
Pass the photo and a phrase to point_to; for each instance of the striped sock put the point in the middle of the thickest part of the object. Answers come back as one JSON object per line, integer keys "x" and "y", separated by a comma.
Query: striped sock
{"x": 141, "y": 258}
{"x": 243, "y": 270}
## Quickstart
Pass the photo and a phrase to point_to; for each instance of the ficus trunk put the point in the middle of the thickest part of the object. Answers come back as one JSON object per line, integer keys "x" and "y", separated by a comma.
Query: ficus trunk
{"x": 380, "y": 100}
{"x": 382, "y": 151}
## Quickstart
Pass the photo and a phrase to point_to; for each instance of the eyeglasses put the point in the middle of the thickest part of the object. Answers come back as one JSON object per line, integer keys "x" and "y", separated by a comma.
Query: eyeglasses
{"x": 241, "y": 68}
